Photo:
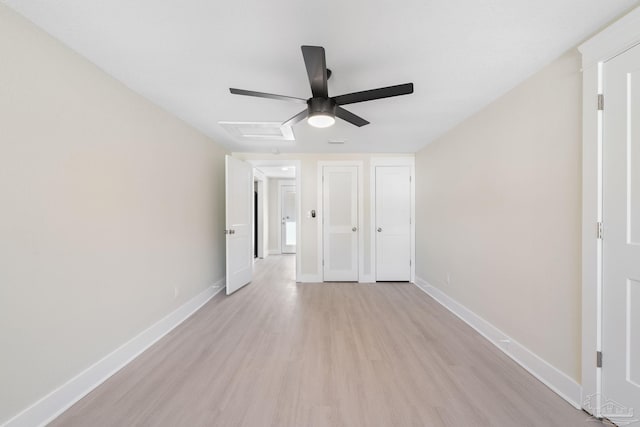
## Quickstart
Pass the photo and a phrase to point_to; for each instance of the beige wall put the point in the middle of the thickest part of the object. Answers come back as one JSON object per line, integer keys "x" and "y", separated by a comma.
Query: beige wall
{"x": 498, "y": 208}
{"x": 107, "y": 203}
{"x": 309, "y": 200}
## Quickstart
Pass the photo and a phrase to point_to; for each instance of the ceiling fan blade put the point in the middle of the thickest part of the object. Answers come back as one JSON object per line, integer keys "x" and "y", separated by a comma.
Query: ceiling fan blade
{"x": 266, "y": 95}
{"x": 369, "y": 95}
{"x": 315, "y": 61}
{"x": 350, "y": 117}
{"x": 295, "y": 119}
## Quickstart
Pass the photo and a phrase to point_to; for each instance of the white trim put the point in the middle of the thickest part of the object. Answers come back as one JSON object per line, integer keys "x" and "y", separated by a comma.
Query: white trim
{"x": 391, "y": 161}
{"x": 260, "y": 180}
{"x": 310, "y": 278}
{"x": 298, "y": 165}
{"x": 612, "y": 41}
{"x": 319, "y": 219}
{"x": 367, "y": 278}
{"x": 319, "y": 215}
{"x": 59, "y": 400}
{"x": 563, "y": 385}
{"x": 274, "y": 252}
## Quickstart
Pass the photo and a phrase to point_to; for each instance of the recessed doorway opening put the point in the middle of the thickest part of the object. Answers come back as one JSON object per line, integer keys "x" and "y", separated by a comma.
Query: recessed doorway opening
{"x": 277, "y": 209}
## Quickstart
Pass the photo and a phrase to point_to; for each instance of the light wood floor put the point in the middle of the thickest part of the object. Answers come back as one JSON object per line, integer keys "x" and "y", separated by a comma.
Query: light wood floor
{"x": 280, "y": 354}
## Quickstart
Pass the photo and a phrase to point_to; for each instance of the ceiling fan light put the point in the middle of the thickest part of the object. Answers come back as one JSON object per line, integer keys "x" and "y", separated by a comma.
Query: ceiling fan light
{"x": 321, "y": 120}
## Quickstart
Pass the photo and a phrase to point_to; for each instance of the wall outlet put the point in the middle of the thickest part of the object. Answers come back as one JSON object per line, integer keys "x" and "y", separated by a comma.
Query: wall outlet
{"x": 448, "y": 279}
{"x": 176, "y": 292}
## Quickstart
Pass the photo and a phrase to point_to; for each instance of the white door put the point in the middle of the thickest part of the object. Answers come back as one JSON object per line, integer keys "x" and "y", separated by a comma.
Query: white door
{"x": 340, "y": 223}
{"x": 393, "y": 223}
{"x": 621, "y": 239}
{"x": 238, "y": 223}
{"x": 288, "y": 220}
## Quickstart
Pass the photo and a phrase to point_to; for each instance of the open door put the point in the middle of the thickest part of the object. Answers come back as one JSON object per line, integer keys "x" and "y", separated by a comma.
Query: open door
{"x": 238, "y": 223}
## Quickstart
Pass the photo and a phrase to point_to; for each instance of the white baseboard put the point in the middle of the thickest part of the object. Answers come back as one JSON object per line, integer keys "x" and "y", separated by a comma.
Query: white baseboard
{"x": 317, "y": 278}
{"x": 552, "y": 377}
{"x": 274, "y": 252}
{"x": 367, "y": 279}
{"x": 59, "y": 400}
{"x": 309, "y": 278}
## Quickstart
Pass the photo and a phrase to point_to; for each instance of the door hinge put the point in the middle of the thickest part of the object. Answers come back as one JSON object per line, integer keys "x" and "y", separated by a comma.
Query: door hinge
{"x": 409, "y": 263}
{"x": 409, "y": 178}
{"x": 598, "y": 359}
{"x": 323, "y": 263}
{"x": 600, "y": 102}
{"x": 599, "y": 230}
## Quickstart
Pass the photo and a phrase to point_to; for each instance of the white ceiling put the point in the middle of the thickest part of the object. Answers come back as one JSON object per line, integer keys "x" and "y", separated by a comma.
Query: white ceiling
{"x": 460, "y": 54}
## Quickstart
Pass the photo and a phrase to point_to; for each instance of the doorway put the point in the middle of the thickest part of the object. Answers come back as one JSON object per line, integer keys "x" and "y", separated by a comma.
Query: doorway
{"x": 288, "y": 217}
{"x": 255, "y": 220}
{"x": 259, "y": 215}
{"x": 279, "y": 202}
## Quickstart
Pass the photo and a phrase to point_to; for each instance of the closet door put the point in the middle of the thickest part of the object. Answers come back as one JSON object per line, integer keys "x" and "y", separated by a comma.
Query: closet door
{"x": 393, "y": 223}
{"x": 340, "y": 223}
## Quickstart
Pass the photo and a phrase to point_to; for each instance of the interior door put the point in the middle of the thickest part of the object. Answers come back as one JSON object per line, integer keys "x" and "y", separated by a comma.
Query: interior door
{"x": 340, "y": 223}
{"x": 289, "y": 220}
{"x": 238, "y": 223}
{"x": 393, "y": 223}
{"x": 621, "y": 239}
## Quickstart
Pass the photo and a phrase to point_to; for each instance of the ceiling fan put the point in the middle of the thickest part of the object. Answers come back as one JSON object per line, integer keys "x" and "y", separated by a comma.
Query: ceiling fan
{"x": 321, "y": 109}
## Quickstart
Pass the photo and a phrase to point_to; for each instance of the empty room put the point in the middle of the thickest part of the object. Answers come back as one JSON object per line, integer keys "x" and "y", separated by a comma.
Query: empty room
{"x": 290, "y": 213}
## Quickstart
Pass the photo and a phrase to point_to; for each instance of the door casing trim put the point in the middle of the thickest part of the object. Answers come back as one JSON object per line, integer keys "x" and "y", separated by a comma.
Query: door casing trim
{"x": 612, "y": 41}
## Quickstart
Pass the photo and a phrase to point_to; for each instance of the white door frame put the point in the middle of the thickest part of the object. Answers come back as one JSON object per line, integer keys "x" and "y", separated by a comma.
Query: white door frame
{"x": 614, "y": 40}
{"x": 259, "y": 178}
{"x": 359, "y": 165}
{"x": 391, "y": 161}
{"x": 298, "y": 166}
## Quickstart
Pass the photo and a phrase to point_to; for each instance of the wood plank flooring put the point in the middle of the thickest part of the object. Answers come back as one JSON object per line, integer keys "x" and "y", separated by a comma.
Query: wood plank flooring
{"x": 277, "y": 353}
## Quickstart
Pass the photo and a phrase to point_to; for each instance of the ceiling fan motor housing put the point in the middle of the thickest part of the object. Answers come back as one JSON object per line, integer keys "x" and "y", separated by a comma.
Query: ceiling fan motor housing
{"x": 321, "y": 106}
{"x": 322, "y": 110}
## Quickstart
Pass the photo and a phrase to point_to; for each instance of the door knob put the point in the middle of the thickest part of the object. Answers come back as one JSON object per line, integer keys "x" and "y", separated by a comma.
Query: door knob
{"x": 354, "y": 229}
{"x": 379, "y": 229}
